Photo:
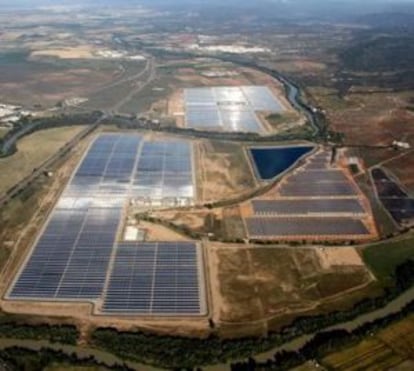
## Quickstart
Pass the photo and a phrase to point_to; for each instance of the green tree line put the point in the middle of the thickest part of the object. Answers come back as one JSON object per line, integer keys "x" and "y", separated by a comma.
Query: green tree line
{"x": 174, "y": 351}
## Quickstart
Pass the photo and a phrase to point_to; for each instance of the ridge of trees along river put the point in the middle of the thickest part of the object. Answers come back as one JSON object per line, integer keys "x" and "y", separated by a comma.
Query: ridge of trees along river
{"x": 173, "y": 351}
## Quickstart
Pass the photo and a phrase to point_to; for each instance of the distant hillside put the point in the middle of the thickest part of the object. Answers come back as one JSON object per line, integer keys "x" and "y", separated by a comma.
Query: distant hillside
{"x": 381, "y": 54}
{"x": 390, "y": 21}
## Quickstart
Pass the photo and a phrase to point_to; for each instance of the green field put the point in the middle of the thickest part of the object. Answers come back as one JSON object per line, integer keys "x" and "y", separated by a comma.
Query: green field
{"x": 3, "y": 132}
{"x": 383, "y": 258}
{"x": 32, "y": 151}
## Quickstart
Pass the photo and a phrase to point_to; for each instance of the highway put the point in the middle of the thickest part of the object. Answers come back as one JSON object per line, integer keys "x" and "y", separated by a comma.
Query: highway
{"x": 140, "y": 85}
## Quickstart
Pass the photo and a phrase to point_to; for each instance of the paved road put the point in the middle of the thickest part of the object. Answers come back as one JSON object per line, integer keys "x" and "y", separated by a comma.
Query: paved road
{"x": 148, "y": 66}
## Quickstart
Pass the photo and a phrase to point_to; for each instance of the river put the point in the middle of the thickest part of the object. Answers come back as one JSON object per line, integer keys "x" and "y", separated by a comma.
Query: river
{"x": 109, "y": 359}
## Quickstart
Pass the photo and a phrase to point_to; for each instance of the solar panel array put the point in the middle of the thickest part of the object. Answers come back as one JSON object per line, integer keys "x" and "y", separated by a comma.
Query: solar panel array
{"x": 317, "y": 200}
{"x": 71, "y": 258}
{"x": 229, "y": 108}
{"x": 156, "y": 278}
{"x": 398, "y": 203}
{"x": 318, "y": 179}
{"x": 164, "y": 170}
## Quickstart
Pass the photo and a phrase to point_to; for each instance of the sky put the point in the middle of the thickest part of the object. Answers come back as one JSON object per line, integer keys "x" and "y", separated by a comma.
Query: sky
{"x": 306, "y": 3}
{"x": 40, "y": 2}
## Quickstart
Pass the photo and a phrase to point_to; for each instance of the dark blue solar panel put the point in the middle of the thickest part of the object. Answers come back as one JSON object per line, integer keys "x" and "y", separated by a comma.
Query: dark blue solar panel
{"x": 155, "y": 278}
{"x": 71, "y": 258}
{"x": 164, "y": 170}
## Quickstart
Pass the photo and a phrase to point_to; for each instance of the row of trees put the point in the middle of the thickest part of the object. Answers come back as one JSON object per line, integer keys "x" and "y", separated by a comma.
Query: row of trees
{"x": 44, "y": 123}
{"x": 171, "y": 351}
{"x": 17, "y": 358}
{"x": 132, "y": 123}
{"x": 64, "y": 334}
{"x": 322, "y": 344}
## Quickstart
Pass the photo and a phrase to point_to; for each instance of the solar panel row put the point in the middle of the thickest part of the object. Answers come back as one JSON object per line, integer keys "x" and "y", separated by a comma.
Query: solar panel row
{"x": 318, "y": 176}
{"x": 307, "y": 206}
{"x": 286, "y": 227}
{"x": 320, "y": 161}
{"x": 320, "y": 189}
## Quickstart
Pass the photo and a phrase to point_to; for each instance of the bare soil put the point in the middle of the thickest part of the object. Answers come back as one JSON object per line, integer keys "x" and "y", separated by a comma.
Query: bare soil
{"x": 224, "y": 171}
{"x": 156, "y": 232}
{"x": 258, "y": 284}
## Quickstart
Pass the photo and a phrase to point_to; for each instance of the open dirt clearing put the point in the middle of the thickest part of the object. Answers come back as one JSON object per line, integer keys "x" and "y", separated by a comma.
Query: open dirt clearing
{"x": 375, "y": 119}
{"x": 223, "y": 171}
{"x": 264, "y": 283}
{"x": 157, "y": 232}
{"x": 78, "y": 52}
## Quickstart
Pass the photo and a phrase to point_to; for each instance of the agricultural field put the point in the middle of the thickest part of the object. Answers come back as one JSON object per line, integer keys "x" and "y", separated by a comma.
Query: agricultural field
{"x": 309, "y": 366}
{"x": 32, "y": 151}
{"x": 121, "y": 89}
{"x": 3, "y": 132}
{"x": 45, "y": 82}
{"x": 152, "y": 99}
{"x": 380, "y": 112}
{"x": 382, "y": 258}
{"x": 390, "y": 348}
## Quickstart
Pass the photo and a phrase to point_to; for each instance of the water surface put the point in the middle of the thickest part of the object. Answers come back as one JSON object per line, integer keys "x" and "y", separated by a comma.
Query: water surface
{"x": 269, "y": 162}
